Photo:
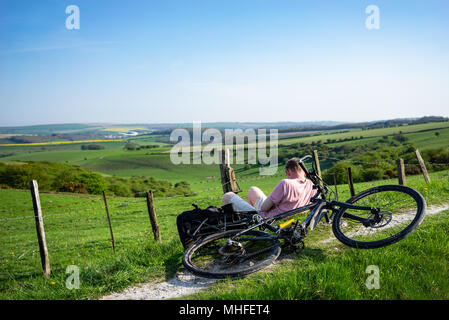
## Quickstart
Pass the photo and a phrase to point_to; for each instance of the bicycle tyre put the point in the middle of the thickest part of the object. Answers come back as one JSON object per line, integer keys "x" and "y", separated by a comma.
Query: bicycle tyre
{"x": 191, "y": 266}
{"x": 357, "y": 199}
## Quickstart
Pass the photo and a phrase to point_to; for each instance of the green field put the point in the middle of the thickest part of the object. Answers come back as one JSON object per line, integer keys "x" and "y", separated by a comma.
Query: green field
{"x": 77, "y": 234}
{"x": 408, "y": 129}
{"x": 113, "y": 160}
{"x": 423, "y": 140}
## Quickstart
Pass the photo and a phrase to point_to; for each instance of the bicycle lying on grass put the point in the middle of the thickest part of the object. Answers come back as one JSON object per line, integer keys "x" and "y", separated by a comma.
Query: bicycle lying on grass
{"x": 374, "y": 218}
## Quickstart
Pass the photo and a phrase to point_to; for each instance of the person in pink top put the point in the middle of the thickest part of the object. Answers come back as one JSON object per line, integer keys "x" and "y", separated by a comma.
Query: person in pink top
{"x": 290, "y": 193}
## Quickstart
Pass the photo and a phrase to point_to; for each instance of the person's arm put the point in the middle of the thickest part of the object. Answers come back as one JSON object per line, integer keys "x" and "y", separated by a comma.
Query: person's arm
{"x": 274, "y": 197}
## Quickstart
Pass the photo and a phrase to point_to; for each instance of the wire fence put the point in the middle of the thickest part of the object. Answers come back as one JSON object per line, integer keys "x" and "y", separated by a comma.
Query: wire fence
{"x": 381, "y": 162}
{"x": 79, "y": 226}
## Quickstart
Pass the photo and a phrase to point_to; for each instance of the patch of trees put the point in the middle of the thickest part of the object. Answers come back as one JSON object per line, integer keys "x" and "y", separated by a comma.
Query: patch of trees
{"x": 92, "y": 147}
{"x": 130, "y": 146}
{"x": 133, "y": 146}
{"x": 368, "y": 162}
{"x": 430, "y": 119}
{"x": 29, "y": 139}
{"x": 59, "y": 177}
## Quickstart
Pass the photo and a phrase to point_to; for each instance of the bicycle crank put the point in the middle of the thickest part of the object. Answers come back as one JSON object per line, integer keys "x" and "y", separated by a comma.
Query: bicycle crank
{"x": 232, "y": 248}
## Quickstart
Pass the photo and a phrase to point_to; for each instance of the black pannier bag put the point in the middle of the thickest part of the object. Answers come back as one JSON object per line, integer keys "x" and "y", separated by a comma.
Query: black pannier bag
{"x": 198, "y": 223}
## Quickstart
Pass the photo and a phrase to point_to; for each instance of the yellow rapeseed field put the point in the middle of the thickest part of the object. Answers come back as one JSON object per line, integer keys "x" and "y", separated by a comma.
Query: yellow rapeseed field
{"x": 53, "y": 142}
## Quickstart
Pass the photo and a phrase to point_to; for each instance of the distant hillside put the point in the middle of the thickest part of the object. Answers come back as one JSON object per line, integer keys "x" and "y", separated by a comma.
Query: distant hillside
{"x": 287, "y": 126}
{"x": 369, "y": 125}
{"x": 72, "y": 128}
{"x": 49, "y": 129}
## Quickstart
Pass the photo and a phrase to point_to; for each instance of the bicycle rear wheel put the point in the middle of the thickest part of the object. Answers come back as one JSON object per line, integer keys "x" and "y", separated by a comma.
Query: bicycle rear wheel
{"x": 402, "y": 209}
{"x": 216, "y": 256}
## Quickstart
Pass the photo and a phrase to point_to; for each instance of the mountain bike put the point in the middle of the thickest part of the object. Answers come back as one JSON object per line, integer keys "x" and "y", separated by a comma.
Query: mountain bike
{"x": 373, "y": 218}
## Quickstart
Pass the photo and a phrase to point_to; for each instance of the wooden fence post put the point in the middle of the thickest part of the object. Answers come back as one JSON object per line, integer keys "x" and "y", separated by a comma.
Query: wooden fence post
{"x": 317, "y": 164}
{"x": 231, "y": 173}
{"x": 423, "y": 167}
{"x": 350, "y": 182}
{"x": 401, "y": 172}
{"x": 109, "y": 221}
{"x": 228, "y": 180}
{"x": 153, "y": 218}
{"x": 40, "y": 228}
{"x": 233, "y": 179}
{"x": 335, "y": 184}
{"x": 225, "y": 181}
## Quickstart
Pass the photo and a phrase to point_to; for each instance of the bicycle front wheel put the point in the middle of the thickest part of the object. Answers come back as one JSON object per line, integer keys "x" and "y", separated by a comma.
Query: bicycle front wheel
{"x": 401, "y": 211}
{"x": 219, "y": 256}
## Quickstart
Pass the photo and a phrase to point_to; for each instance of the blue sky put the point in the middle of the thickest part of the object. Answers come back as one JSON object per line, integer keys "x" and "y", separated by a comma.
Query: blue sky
{"x": 182, "y": 61}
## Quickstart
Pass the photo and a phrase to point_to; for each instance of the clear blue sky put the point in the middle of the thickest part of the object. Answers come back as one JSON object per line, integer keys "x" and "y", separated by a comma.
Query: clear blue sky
{"x": 180, "y": 61}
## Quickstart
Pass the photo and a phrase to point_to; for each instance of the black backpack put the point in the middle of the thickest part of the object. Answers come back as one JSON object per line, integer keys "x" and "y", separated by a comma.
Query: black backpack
{"x": 195, "y": 224}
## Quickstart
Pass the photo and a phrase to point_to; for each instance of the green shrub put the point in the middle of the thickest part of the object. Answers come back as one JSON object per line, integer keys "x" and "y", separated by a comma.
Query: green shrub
{"x": 17, "y": 177}
{"x": 73, "y": 187}
{"x": 372, "y": 174}
{"x": 341, "y": 173}
{"x": 94, "y": 182}
{"x": 120, "y": 189}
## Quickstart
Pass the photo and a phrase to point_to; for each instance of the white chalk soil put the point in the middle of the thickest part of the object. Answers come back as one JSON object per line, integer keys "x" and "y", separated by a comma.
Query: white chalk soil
{"x": 184, "y": 283}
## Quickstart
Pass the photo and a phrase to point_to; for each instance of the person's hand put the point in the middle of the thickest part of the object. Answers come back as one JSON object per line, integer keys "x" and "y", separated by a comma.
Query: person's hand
{"x": 257, "y": 218}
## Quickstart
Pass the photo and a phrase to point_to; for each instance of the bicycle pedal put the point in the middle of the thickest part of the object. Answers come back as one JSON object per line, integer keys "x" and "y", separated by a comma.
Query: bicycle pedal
{"x": 299, "y": 246}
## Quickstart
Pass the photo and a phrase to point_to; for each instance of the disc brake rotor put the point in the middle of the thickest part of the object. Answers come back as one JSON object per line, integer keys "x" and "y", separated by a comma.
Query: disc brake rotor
{"x": 385, "y": 218}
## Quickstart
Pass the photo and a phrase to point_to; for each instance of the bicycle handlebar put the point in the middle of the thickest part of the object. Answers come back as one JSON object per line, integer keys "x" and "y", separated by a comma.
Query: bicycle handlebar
{"x": 304, "y": 158}
{"x": 303, "y": 167}
{"x": 313, "y": 177}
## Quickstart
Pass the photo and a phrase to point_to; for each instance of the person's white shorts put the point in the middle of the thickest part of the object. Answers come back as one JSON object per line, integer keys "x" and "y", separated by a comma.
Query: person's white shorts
{"x": 242, "y": 205}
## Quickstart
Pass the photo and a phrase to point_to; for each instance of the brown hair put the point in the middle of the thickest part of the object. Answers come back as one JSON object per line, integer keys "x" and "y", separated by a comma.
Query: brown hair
{"x": 293, "y": 165}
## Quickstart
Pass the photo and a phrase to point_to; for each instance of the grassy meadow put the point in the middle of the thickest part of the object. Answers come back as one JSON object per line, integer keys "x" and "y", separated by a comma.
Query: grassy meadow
{"x": 77, "y": 234}
{"x": 77, "y": 230}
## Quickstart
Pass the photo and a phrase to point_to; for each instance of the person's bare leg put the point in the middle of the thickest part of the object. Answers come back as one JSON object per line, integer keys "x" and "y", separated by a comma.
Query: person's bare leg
{"x": 254, "y": 193}
{"x": 227, "y": 198}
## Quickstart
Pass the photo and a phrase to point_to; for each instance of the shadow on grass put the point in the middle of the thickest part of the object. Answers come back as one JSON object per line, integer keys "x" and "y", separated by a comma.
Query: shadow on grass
{"x": 172, "y": 265}
{"x": 313, "y": 254}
